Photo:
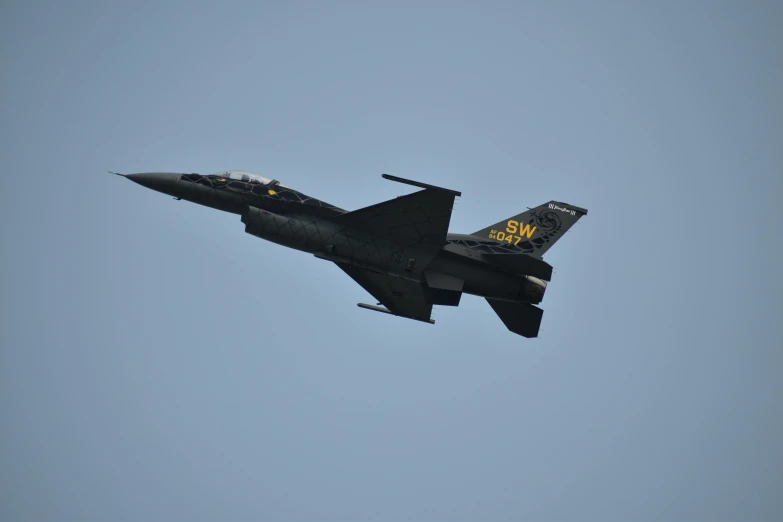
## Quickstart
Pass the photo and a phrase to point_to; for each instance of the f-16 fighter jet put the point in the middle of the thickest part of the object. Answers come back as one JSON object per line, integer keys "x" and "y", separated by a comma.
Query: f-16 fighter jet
{"x": 401, "y": 250}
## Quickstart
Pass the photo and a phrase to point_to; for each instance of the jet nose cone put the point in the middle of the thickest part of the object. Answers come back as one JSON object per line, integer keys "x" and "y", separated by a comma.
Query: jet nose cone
{"x": 165, "y": 182}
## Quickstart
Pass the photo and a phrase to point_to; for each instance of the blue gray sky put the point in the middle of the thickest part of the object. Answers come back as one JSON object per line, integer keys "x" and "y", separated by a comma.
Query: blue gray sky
{"x": 158, "y": 363}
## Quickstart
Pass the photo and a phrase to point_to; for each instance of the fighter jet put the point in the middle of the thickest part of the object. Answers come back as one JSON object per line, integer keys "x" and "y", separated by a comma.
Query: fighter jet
{"x": 400, "y": 250}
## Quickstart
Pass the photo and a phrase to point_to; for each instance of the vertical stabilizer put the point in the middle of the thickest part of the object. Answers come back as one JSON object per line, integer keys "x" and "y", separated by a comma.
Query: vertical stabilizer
{"x": 535, "y": 230}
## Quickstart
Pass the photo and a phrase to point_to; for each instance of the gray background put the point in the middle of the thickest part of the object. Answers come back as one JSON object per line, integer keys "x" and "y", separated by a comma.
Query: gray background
{"x": 159, "y": 364}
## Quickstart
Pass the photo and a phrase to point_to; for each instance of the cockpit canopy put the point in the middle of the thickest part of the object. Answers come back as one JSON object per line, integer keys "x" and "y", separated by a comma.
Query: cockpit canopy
{"x": 247, "y": 177}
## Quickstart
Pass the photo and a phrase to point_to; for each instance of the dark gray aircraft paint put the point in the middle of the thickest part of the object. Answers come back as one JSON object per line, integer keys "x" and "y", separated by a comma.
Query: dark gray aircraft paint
{"x": 400, "y": 251}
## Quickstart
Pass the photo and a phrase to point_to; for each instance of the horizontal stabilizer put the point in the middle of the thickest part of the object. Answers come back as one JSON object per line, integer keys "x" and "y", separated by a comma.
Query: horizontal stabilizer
{"x": 522, "y": 264}
{"x": 521, "y": 318}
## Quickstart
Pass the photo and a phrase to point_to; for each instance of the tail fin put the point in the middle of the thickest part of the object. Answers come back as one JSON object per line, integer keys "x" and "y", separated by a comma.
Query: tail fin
{"x": 536, "y": 230}
{"x": 521, "y": 318}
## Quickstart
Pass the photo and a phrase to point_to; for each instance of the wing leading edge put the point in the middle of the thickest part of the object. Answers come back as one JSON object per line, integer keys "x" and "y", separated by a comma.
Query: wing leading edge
{"x": 400, "y": 296}
{"x": 420, "y": 219}
{"x": 418, "y": 223}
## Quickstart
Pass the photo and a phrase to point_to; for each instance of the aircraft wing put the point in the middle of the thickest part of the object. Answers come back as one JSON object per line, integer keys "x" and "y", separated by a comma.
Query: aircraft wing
{"x": 418, "y": 219}
{"x": 400, "y": 296}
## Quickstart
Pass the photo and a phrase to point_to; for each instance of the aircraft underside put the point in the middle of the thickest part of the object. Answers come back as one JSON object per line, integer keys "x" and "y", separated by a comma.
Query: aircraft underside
{"x": 400, "y": 250}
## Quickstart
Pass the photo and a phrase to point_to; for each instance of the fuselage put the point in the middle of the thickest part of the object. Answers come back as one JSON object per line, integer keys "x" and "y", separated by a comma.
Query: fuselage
{"x": 280, "y": 214}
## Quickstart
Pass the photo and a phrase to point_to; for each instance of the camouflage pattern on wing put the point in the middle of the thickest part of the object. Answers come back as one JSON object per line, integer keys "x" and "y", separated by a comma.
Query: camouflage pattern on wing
{"x": 400, "y": 296}
{"x": 420, "y": 219}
